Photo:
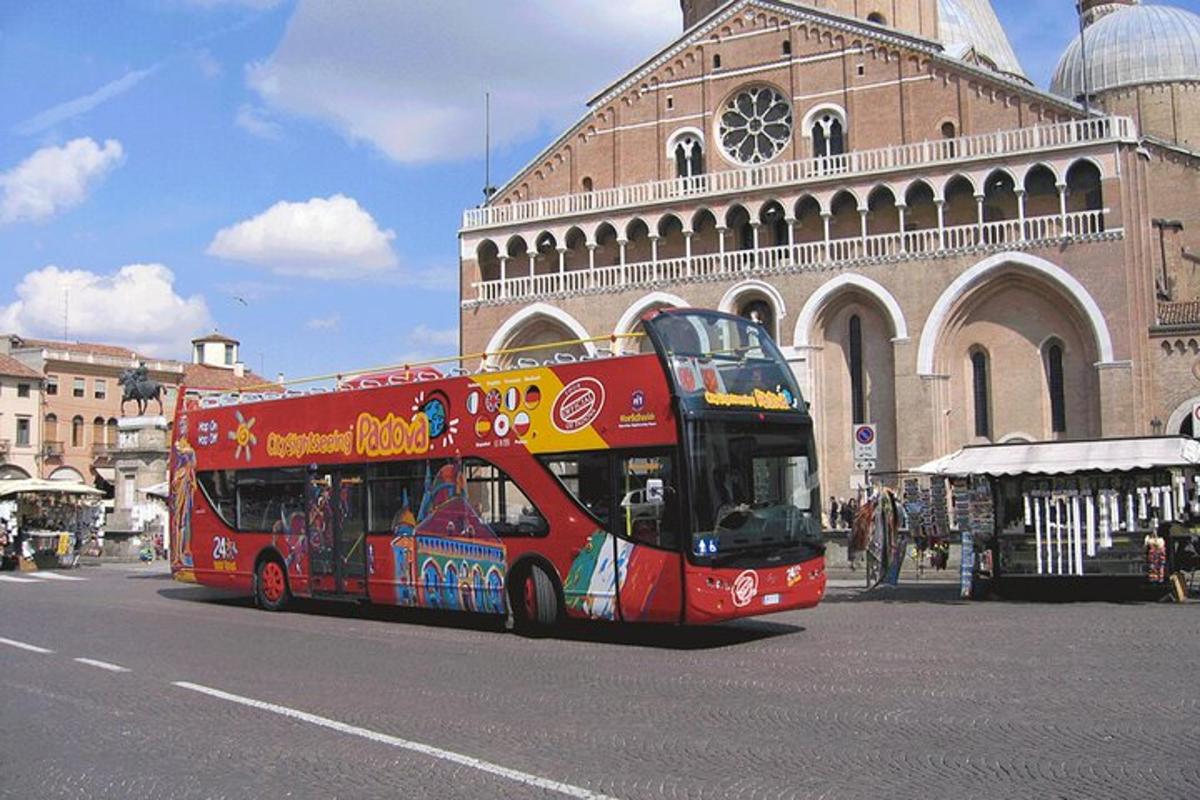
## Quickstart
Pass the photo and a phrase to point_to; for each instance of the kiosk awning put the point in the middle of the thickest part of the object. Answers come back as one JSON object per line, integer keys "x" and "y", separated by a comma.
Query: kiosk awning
{"x": 8, "y": 488}
{"x": 1063, "y": 458}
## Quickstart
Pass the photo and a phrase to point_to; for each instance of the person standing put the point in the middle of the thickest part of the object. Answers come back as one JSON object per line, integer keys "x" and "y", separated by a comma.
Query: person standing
{"x": 834, "y": 509}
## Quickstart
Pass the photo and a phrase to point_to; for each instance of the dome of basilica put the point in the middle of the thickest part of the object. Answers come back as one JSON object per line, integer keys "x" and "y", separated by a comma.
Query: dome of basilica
{"x": 1133, "y": 45}
{"x": 965, "y": 25}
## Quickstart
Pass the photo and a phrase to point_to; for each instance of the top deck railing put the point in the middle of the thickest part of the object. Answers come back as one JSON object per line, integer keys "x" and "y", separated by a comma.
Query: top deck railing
{"x": 1036, "y": 139}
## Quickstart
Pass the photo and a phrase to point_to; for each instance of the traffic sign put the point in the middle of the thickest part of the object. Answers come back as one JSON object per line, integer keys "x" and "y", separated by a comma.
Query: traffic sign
{"x": 864, "y": 466}
{"x": 866, "y": 442}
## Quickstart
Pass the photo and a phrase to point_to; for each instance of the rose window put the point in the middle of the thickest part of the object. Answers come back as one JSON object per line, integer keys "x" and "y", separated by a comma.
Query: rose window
{"x": 756, "y": 124}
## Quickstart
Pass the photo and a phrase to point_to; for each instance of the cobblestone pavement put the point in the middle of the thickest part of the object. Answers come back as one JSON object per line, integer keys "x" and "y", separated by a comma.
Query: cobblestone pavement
{"x": 903, "y": 693}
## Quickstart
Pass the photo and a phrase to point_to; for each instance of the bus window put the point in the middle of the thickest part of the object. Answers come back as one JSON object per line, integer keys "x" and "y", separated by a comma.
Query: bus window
{"x": 649, "y": 500}
{"x": 394, "y": 492}
{"x": 586, "y": 477}
{"x": 500, "y": 502}
{"x": 267, "y": 499}
{"x": 220, "y": 487}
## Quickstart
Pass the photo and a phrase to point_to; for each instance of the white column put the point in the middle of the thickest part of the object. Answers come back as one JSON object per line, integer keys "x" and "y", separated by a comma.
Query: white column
{"x": 1062, "y": 206}
{"x": 941, "y": 209}
{"x": 591, "y": 264}
{"x": 902, "y": 210}
{"x": 862, "y": 214}
{"x": 532, "y": 262}
{"x": 1021, "y": 213}
{"x": 721, "y": 246}
{"x": 687, "y": 252}
{"x": 624, "y": 272}
{"x": 792, "y": 255}
{"x": 503, "y": 276}
{"x": 827, "y": 218}
{"x": 979, "y": 218}
{"x": 562, "y": 260}
{"x": 654, "y": 249}
{"x": 754, "y": 226}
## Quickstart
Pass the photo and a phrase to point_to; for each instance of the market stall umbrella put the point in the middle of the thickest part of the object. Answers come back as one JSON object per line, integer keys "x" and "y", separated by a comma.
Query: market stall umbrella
{"x": 9, "y": 488}
{"x": 1064, "y": 458}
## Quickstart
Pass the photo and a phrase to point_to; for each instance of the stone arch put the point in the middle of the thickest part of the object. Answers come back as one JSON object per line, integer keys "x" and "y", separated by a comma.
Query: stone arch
{"x": 997, "y": 264}
{"x": 631, "y": 320}
{"x": 848, "y": 282}
{"x": 1181, "y": 414}
{"x": 524, "y": 320}
{"x": 758, "y": 289}
{"x": 69, "y": 474}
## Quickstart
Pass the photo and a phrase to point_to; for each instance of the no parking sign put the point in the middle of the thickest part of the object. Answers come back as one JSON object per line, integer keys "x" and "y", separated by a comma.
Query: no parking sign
{"x": 866, "y": 442}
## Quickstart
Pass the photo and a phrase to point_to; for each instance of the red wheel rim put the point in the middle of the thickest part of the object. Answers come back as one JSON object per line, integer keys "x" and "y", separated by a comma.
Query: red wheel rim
{"x": 273, "y": 581}
{"x": 530, "y": 598}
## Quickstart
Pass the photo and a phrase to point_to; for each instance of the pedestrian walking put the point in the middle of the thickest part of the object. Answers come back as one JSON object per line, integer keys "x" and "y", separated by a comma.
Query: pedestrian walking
{"x": 834, "y": 509}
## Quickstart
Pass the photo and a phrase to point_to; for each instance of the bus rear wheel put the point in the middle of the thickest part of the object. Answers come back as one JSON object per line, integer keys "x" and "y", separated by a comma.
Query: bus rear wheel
{"x": 270, "y": 585}
{"x": 535, "y": 606}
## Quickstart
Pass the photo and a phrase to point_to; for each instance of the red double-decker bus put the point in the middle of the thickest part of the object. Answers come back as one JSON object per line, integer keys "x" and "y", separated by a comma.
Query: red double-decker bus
{"x": 672, "y": 486}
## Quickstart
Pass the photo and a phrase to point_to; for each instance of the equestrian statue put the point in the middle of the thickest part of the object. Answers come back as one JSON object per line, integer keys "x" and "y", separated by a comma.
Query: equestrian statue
{"x": 140, "y": 388}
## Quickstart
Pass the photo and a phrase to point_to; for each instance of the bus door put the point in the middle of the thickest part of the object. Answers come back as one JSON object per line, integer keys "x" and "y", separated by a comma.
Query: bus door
{"x": 337, "y": 532}
{"x": 648, "y": 527}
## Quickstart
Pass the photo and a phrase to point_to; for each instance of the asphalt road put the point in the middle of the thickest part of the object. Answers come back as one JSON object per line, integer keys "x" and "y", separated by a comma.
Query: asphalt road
{"x": 905, "y": 694}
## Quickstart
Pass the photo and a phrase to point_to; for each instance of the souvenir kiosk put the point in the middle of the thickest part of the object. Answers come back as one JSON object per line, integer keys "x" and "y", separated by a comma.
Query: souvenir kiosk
{"x": 1074, "y": 509}
{"x": 43, "y": 523}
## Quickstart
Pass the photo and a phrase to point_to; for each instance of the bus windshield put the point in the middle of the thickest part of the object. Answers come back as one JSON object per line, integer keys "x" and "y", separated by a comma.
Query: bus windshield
{"x": 718, "y": 361}
{"x": 754, "y": 489}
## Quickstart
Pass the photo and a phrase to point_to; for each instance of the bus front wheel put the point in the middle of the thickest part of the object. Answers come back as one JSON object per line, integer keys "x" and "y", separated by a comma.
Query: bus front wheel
{"x": 534, "y": 601}
{"x": 270, "y": 585}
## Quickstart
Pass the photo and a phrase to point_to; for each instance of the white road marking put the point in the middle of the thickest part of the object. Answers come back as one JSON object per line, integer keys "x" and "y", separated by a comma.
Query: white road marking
{"x": 15, "y": 579}
{"x": 58, "y": 576}
{"x": 404, "y": 744}
{"x": 102, "y": 665}
{"x": 33, "y": 648}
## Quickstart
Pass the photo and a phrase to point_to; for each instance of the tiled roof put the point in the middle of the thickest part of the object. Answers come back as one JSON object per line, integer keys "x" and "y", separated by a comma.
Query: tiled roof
{"x": 15, "y": 369}
{"x": 78, "y": 347}
{"x": 202, "y": 376}
{"x": 216, "y": 336}
{"x": 1185, "y": 313}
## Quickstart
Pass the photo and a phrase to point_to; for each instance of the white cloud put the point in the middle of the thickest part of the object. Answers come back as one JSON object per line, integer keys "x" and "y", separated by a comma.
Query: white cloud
{"x": 409, "y": 77}
{"x": 323, "y": 238}
{"x": 209, "y": 66}
{"x": 254, "y": 121}
{"x": 152, "y": 317}
{"x": 324, "y": 323}
{"x": 424, "y": 336}
{"x": 81, "y": 105}
{"x": 55, "y": 178}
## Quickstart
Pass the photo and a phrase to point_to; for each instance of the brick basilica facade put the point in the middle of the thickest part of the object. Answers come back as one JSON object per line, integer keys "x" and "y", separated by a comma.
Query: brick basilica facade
{"x": 938, "y": 246}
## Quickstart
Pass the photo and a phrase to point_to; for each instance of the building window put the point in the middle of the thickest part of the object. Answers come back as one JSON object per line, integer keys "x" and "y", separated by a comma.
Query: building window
{"x": 198, "y": 355}
{"x": 111, "y": 438}
{"x": 78, "y": 387}
{"x": 101, "y": 389}
{"x": 77, "y": 432}
{"x": 787, "y": 47}
{"x": 980, "y": 394}
{"x": 52, "y": 385}
{"x": 670, "y": 103}
{"x": 1057, "y": 386}
{"x": 22, "y": 390}
{"x": 858, "y": 397}
{"x": 50, "y": 428}
{"x": 22, "y": 431}
{"x": 229, "y": 355}
{"x": 876, "y": 18}
{"x": 829, "y": 134}
{"x": 717, "y": 61}
{"x": 689, "y": 156}
{"x": 756, "y": 125}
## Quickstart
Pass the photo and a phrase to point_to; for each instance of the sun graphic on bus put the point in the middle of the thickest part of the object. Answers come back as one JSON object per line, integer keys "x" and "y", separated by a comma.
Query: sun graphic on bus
{"x": 244, "y": 436}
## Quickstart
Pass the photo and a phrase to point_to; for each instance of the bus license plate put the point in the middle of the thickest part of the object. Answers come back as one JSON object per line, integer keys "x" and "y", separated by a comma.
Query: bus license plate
{"x": 770, "y": 599}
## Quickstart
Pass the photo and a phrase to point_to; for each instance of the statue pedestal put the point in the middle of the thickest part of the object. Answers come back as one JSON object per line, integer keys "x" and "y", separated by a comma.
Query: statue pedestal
{"x": 140, "y": 462}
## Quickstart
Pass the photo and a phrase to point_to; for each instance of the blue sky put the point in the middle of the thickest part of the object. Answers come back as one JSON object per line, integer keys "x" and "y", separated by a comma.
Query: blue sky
{"x": 292, "y": 172}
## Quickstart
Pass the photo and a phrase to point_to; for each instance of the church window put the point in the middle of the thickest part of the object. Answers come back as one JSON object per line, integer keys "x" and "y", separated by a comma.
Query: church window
{"x": 670, "y": 103}
{"x": 980, "y": 394}
{"x": 787, "y": 47}
{"x": 877, "y": 18}
{"x": 1056, "y": 383}
{"x": 828, "y": 134}
{"x": 717, "y": 61}
{"x": 858, "y": 398}
{"x": 688, "y": 151}
{"x": 755, "y": 125}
